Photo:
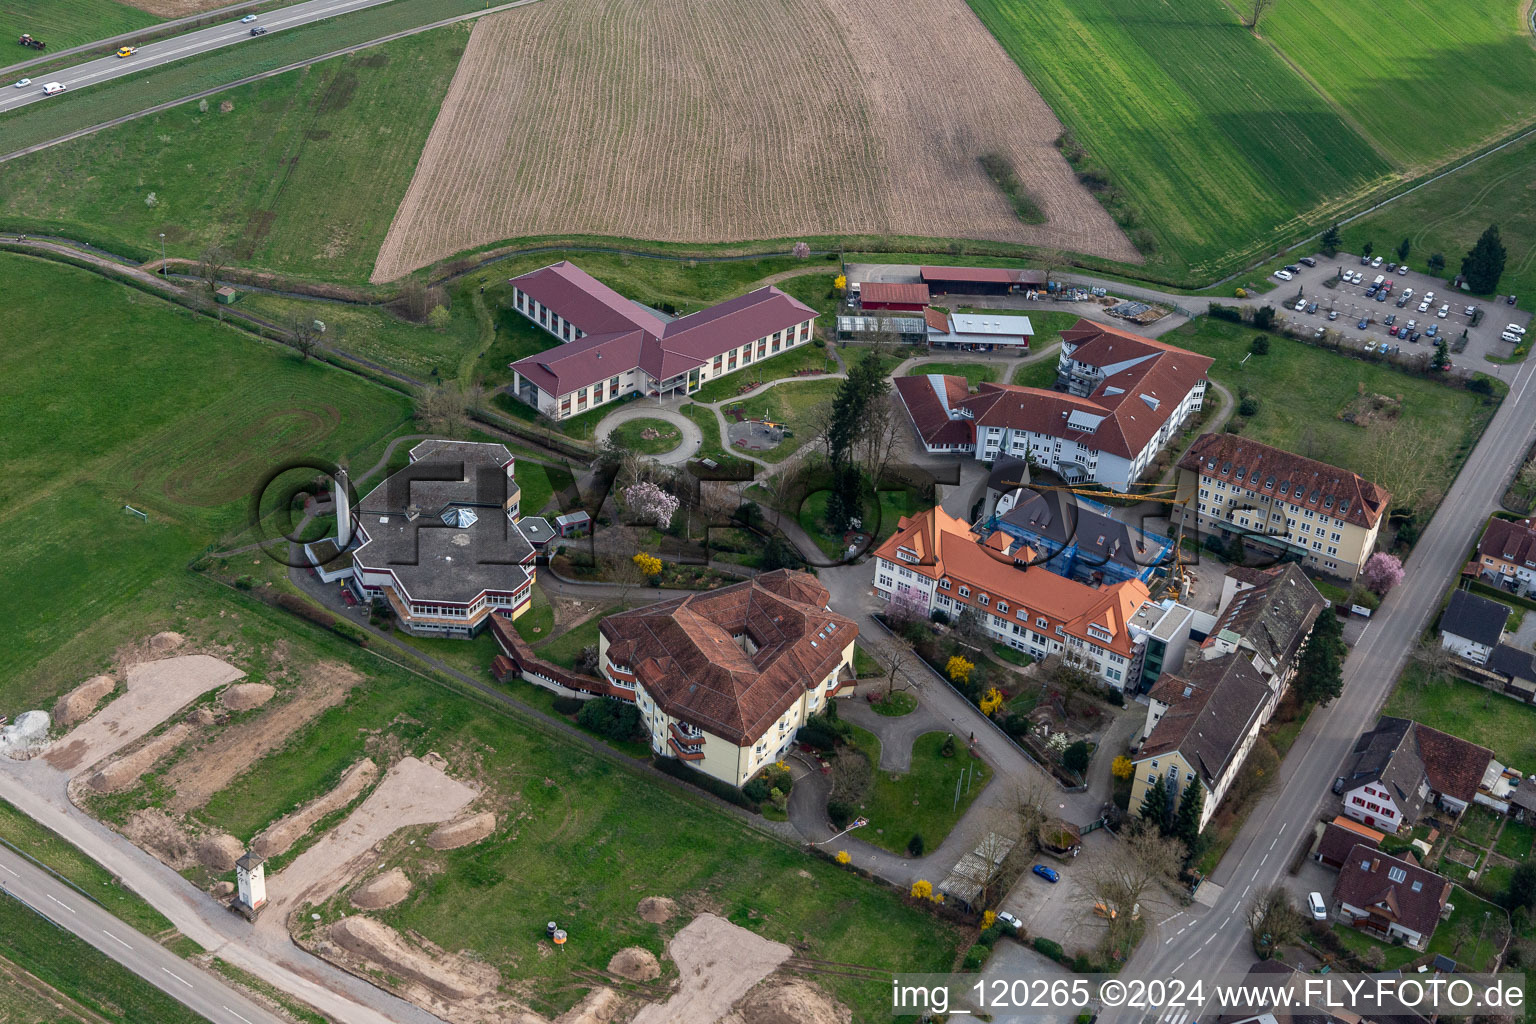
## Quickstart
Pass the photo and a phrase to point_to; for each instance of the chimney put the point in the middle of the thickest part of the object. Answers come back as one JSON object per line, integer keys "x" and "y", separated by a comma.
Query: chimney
{"x": 343, "y": 511}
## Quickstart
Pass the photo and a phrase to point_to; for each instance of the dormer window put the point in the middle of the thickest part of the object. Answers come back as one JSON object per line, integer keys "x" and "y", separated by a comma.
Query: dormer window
{"x": 1226, "y": 467}
{"x": 965, "y": 591}
{"x": 1285, "y": 488}
{"x": 905, "y": 555}
{"x": 1315, "y": 495}
{"x": 1269, "y": 483}
{"x": 1343, "y": 506}
{"x": 1002, "y": 607}
{"x": 943, "y": 584}
{"x": 984, "y": 599}
{"x": 1397, "y": 874}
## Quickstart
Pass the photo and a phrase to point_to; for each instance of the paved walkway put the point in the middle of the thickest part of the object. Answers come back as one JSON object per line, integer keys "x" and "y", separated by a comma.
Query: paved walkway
{"x": 692, "y": 436}
{"x": 896, "y": 735}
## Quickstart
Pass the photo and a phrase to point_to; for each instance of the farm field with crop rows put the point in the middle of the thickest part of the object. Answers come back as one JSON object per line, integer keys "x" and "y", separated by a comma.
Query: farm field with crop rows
{"x": 1219, "y": 147}
{"x": 664, "y": 120}
{"x": 1427, "y": 79}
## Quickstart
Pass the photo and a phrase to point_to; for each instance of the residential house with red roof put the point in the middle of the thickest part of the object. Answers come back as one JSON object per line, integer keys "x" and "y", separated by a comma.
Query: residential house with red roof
{"x": 1401, "y": 768}
{"x": 612, "y": 347}
{"x": 724, "y": 678}
{"x": 1390, "y": 898}
{"x": 1121, "y": 399}
{"x": 1506, "y": 555}
{"x": 935, "y": 562}
{"x": 1328, "y": 518}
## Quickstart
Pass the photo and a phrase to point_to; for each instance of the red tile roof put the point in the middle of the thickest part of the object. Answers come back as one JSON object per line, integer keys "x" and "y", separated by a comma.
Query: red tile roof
{"x": 935, "y": 320}
{"x": 946, "y": 547}
{"x": 1265, "y": 469}
{"x": 688, "y": 656}
{"x": 929, "y": 400}
{"x": 622, "y": 336}
{"x": 893, "y": 292}
{"x": 1513, "y": 542}
{"x": 1365, "y": 881}
{"x": 1452, "y": 765}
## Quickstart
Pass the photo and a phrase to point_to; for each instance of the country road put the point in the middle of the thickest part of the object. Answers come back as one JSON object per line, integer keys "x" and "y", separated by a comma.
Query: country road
{"x": 1214, "y": 939}
{"x": 184, "y": 982}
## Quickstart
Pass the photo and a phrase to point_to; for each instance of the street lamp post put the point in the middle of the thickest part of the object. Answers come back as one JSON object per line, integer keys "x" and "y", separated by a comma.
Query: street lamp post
{"x": 162, "y": 255}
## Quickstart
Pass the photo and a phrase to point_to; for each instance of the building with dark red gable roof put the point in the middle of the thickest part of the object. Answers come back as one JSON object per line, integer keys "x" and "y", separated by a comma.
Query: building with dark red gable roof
{"x": 613, "y": 347}
{"x": 903, "y": 297}
{"x": 1506, "y": 555}
{"x": 724, "y": 678}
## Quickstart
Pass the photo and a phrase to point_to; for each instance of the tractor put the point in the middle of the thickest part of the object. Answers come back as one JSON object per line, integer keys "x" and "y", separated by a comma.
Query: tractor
{"x": 28, "y": 41}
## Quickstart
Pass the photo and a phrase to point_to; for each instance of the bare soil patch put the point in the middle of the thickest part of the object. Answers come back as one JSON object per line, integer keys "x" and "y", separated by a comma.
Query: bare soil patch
{"x": 279, "y": 836}
{"x": 656, "y": 909}
{"x": 245, "y": 696}
{"x": 430, "y": 968}
{"x": 461, "y": 833}
{"x": 382, "y": 891}
{"x": 635, "y": 963}
{"x": 218, "y": 853}
{"x": 412, "y": 793}
{"x": 126, "y": 771}
{"x": 169, "y": 9}
{"x": 781, "y": 1000}
{"x": 718, "y": 963}
{"x": 596, "y": 1007}
{"x": 197, "y": 777}
{"x": 155, "y": 690}
{"x": 166, "y": 642}
{"x": 737, "y": 120}
{"x": 77, "y": 704}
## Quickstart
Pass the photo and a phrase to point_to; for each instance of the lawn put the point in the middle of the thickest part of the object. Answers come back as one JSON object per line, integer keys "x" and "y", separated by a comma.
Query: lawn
{"x": 1302, "y": 390}
{"x": 260, "y": 178}
{"x": 709, "y": 425}
{"x": 1448, "y": 215}
{"x": 1220, "y": 158}
{"x": 170, "y": 414}
{"x": 922, "y": 800}
{"x": 1515, "y": 841}
{"x": 66, "y": 859}
{"x": 566, "y": 647}
{"x": 1038, "y": 374}
{"x": 794, "y": 405}
{"x": 893, "y": 505}
{"x": 864, "y": 664}
{"x": 815, "y": 290}
{"x": 630, "y": 434}
{"x": 1434, "y": 77}
{"x": 1473, "y": 934}
{"x": 80, "y": 972}
{"x": 1505, "y": 726}
{"x": 974, "y": 373}
{"x": 538, "y": 622}
{"x": 66, "y": 23}
{"x": 809, "y": 356}
{"x": 1359, "y": 943}
{"x": 539, "y": 483}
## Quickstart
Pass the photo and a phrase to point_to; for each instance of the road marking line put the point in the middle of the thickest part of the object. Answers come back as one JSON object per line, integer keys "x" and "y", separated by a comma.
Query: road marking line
{"x": 178, "y": 977}
{"x": 60, "y": 902}
{"x": 13, "y": 874}
{"x": 1282, "y": 828}
{"x": 115, "y": 939}
{"x": 1245, "y": 893}
{"x": 1181, "y": 964}
{"x": 1208, "y": 939}
{"x": 1261, "y": 864}
{"x": 236, "y": 1014}
{"x": 1273, "y": 841}
{"x": 1168, "y": 940}
{"x": 1255, "y": 874}
{"x": 1184, "y": 929}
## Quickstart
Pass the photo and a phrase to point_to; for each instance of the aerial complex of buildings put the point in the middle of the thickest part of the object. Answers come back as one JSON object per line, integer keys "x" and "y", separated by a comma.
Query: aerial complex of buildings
{"x": 611, "y": 347}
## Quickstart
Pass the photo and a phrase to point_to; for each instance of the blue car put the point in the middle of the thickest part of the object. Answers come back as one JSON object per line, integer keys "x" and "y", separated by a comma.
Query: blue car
{"x": 1361, "y": 325}
{"x": 1049, "y": 874}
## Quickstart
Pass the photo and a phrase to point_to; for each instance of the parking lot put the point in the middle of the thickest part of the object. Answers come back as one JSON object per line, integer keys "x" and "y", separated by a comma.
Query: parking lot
{"x": 1348, "y": 305}
{"x": 1056, "y": 909}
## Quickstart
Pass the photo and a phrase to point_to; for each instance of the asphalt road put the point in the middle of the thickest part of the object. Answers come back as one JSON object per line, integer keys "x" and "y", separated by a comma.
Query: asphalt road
{"x": 165, "y": 51}
{"x": 184, "y": 982}
{"x": 1214, "y": 939}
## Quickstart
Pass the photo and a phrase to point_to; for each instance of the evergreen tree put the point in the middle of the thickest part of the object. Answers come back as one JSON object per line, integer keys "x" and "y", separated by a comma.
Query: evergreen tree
{"x": 1155, "y": 805}
{"x": 1403, "y": 248}
{"x": 1367, "y": 249}
{"x": 1330, "y": 241}
{"x": 1186, "y": 825}
{"x": 1436, "y": 264}
{"x": 1319, "y": 672}
{"x": 1484, "y": 263}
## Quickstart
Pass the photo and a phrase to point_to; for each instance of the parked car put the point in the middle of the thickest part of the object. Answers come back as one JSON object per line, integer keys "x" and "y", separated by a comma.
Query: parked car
{"x": 1293, "y": 268}
{"x": 1429, "y": 296}
{"x": 1311, "y": 307}
{"x": 1470, "y": 311}
{"x": 1511, "y": 337}
{"x": 1411, "y": 324}
{"x": 1338, "y": 786}
{"x": 1402, "y": 300}
{"x": 1319, "y": 332}
{"x": 1515, "y": 328}
{"x": 1365, "y": 261}
{"x": 1381, "y": 296}
{"x": 1370, "y": 292}
{"x": 247, "y": 19}
{"x": 1307, "y": 261}
{"x": 1301, "y": 304}
{"x": 1317, "y": 906}
{"x": 1445, "y": 311}
{"x": 1433, "y": 330}
{"x": 1049, "y": 874}
{"x": 1009, "y": 920}
{"x": 1509, "y": 300}
{"x": 1361, "y": 325}
{"x": 1392, "y": 331}
{"x": 1414, "y": 337}
{"x": 1284, "y": 275}
{"x": 1402, "y": 269}
{"x": 1333, "y": 314}
{"x": 1391, "y": 319}
{"x": 1359, "y": 278}
{"x": 1376, "y": 262}
{"x": 1370, "y": 346}
{"x": 1407, "y": 293}
{"x": 1424, "y": 306}
{"x": 1391, "y": 267}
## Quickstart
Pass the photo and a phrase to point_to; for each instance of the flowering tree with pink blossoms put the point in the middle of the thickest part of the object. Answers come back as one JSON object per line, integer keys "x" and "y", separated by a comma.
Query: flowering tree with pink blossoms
{"x": 1382, "y": 572}
{"x": 650, "y": 503}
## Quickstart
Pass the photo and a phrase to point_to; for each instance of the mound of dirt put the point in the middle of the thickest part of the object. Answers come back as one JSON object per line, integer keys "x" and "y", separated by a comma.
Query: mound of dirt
{"x": 160, "y": 643}
{"x": 158, "y": 833}
{"x": 26, "y": 736}
{"x": 78, "y": 703}
{"x": 599, "y": 1006}
{"x": 788, "y": 1001}
{"x": 461, "y": 833}
{"x": 635, "y": 963}
{"x": 219, "y": 852}
{"x": 222, "y": 889}
{"x": 202, "y": 716}
{"x": 283, "y": 833}
{"x": 657, "y": 909}
{"x": 245, "y": 696}
{"x": 384, "y": 891}
{"x": 717, "y": 964}
{"x": 450, "y": 977}
{"x": 125, "y": 772}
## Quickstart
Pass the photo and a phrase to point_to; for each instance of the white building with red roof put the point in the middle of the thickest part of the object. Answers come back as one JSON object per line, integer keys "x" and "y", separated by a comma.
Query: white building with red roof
{"x": 1124, "y": 398}
{"x": 613, "y": 347}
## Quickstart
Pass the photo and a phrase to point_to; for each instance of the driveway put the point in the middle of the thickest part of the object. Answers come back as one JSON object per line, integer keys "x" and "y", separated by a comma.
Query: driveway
{"x": 1012, "y": 961}
{"x": 692, "y": 436}
{"x": 1056, "y": 910}
{"x": 896, "y": 735}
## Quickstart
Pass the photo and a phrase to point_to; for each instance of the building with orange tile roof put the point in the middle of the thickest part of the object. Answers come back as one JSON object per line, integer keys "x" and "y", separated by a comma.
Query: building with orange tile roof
{"x": 935, "y": 562}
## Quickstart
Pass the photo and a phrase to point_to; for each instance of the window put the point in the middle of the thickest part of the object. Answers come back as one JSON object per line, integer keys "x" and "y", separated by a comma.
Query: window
{"x": 984, "y": 599}
{"x": 1002, "y": 607}
{"x": 1152, "y": 779}
{"x": 1417, "y": 886}
{"x": 1397, "y": 874}
{"x": 1154, "y": 764}
{"x": 965, "y": 591}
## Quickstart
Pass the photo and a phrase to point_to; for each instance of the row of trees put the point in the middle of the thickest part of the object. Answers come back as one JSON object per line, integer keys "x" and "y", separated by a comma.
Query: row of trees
{"x": 1482, "y": 266}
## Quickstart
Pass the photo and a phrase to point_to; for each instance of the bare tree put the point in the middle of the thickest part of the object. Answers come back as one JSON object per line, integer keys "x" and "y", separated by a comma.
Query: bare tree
{"x": 1433, "y": 660}
{"x": 1002, "y": 837}
{"x": 445, "y": 409}
{"x": 1398, "y": 455}
{"x": 900, "y": 658}
{"x": 1258, "y": 9}
{"x": 305, "y": 335}
{"x": 1129, "y": 880}
{"x": 880, "y": 437}
{"x": 210, "y": 267}
{"x": 627, "y": 576}
{"x": 1273, "y": 920}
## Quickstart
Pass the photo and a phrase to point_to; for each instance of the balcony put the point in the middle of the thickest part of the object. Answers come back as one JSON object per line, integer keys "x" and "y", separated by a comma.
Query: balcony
{"x": 686, "y": 753}
{"x": 686, "y": 734}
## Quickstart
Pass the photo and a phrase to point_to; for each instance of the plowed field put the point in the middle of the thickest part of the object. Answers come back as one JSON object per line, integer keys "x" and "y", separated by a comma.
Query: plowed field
{"x": 733, "y": 120}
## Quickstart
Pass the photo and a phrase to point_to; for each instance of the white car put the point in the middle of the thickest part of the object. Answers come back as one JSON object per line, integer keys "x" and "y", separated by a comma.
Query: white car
{"x": 1424, "y": 306}
{"x": 23, "y": 83}
{"x": 247, "y": 19}
{"x": 1359, "y": 278}
{"x": 1445, "y": 311}
{"x": 1301, "y": 304}
{"x": 1515, "y": 329}
{"x": 1403, "y": 269}
{"x": 1412, "y": 324}
{"x": 1009, "y": 920}
{"x": 1284, "y": 275}
{"x": 1376, "y": 262}
{"x": 1317, "y": 906}
{"x": 1429, "y": 296}
{"x": 1407, "y": 293}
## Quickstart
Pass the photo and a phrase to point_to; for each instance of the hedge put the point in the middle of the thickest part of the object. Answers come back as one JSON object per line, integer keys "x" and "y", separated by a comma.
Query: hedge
{"x": 725, "y": 791}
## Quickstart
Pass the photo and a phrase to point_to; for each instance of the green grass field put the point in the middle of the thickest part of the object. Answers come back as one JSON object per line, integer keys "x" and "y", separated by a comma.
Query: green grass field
{"x": 1503, "y": 725}
{"x": 1423, "y": 79}
{"x": 974, "y": 372}
{"x": 1448, "y": 215}
{"x": 302, "y": 174}
{"x": 77, "y": 970}
{"x": 792, "y": 404}
{"x": 118, "y": 398}
{"x": 921, "y": 800}
{"x": 1218, "y": 145}
{"x": 65, "y": 23}
{"x": 630, "y": 433}
{"x": 785, "y": 364}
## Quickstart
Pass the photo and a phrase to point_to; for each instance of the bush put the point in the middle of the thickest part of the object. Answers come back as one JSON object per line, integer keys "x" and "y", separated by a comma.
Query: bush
{"x": 757, "y": 790}
{"x": 817, "y": 734}
{"x": 975, "y": 957}
{"x": 610, "y": 717}
{"x": 568, "y": 705}
{"x": 1264, "y": 317}
{"x": 1075, "y": 758}
{"x": 1248, "y": 406}
{"x": 1259, "y": 345}
{"x": 1231, "y": 314}
{"x": 839, "y": 813}
{"x": 915, "y": 845}
{"x": 990, "y": 935}
{"x": 724, "y": 790}
{"x": 1048, "y": 947}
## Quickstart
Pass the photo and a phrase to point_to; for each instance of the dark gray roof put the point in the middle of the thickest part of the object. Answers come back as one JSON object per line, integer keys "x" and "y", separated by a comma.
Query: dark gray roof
{"x": 1276, "y": 615}
{"x": 1226, "y": 694}
{"x": 1381, "y": 755}
{"x": 1512, "y": 662}
{"x": 1100, "y": 539}
{"x": 1474, "y": 618}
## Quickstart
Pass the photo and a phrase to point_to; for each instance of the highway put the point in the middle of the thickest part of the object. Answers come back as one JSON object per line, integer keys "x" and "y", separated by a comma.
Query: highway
{"x": 164, "y": 51}
{"x": 184, "y": 982}
{"x": 1207, "y": 940}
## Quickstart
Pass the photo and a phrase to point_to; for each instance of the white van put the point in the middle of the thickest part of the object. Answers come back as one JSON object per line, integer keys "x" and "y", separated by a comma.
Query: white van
{"x": 1511, "y": 337}
{"x": 1377, "y": 283}
{"x": 53, "y": 88}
